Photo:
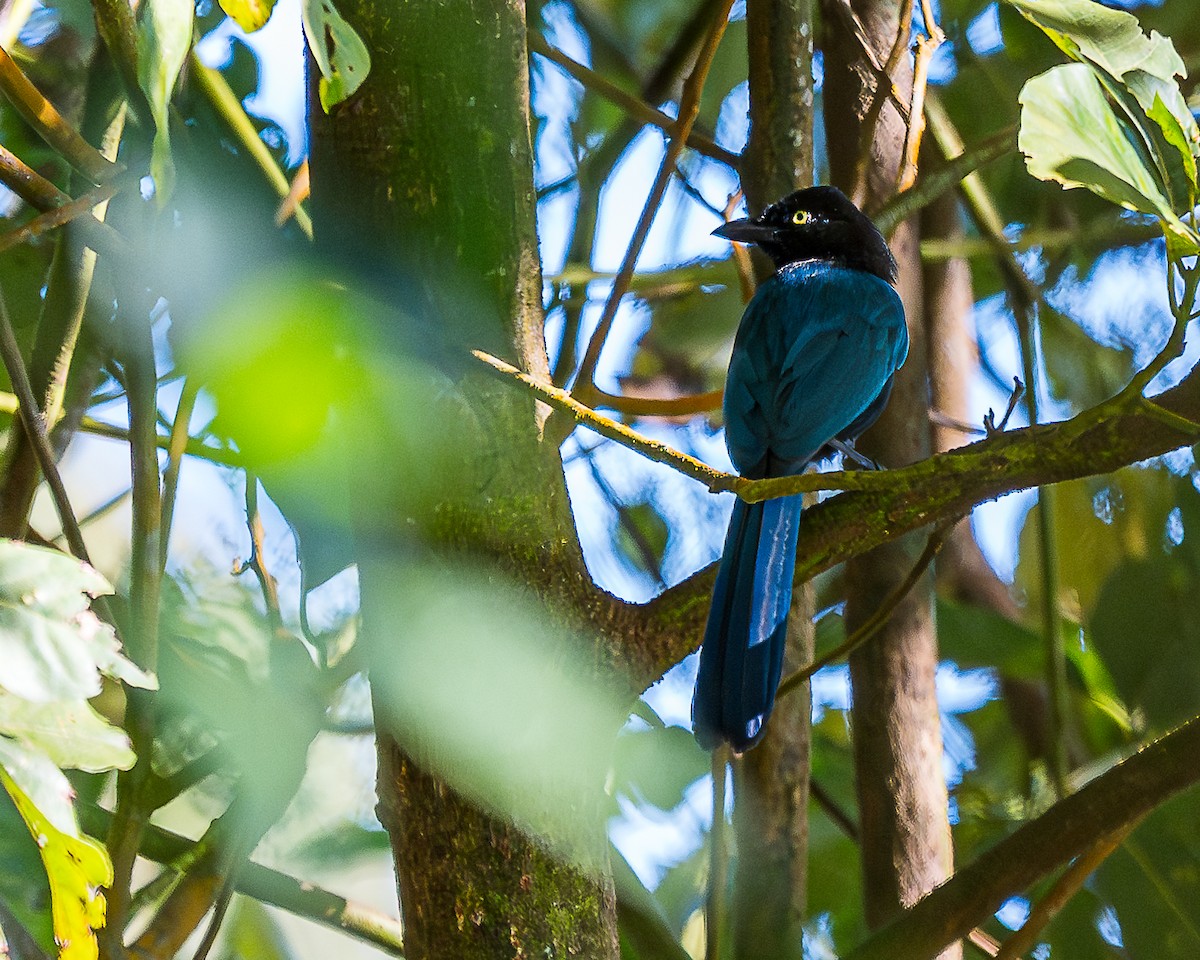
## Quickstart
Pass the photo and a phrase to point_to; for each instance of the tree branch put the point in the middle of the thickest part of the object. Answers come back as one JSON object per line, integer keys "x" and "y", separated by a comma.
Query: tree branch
{"x": 1112, "y": 802}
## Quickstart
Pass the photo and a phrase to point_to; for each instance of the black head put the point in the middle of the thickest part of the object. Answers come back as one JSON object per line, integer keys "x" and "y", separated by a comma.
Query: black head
{"x": 819, "y": 223}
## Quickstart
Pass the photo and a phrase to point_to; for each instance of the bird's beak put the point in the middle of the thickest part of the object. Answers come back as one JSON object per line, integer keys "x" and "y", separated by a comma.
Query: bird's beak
{"x": 745, "y": 231}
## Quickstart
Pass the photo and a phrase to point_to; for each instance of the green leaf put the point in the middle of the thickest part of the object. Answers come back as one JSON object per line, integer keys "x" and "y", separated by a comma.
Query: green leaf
{"x": 657, "y": 766}
{"x": 77, "y": 868}
{"x": 52, "y": 647}
{"x": 1070, "y": 134}
{"x": 1111, "y": 39}
{"x": 250, "y": 15}
{"x": 163, "y": 44}
{"x": 70, "y": 733}
{"x": 40, "y": 781}
{"x": 341, "y": 55}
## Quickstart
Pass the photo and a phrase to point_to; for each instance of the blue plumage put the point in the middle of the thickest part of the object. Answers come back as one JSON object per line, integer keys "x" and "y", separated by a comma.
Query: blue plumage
{"x": 812, "y": 361}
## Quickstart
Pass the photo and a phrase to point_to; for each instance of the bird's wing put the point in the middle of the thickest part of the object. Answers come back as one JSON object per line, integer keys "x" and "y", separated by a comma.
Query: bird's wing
{"x": 814, "y": 350}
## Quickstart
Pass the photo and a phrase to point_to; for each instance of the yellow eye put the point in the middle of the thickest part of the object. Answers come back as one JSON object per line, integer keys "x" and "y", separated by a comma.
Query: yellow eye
{"x": 801, "y": 217}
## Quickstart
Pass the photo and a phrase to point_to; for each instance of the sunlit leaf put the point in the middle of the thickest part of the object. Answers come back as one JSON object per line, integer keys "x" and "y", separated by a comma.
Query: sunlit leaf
{"x": 163, "y": 44}
{"x": 341, "y": 55}
{"x": 70, "y": 733}
{"x": 52, "y": 647}
{"x": 77, "y": 867}
{"x": 1070, "y": 134}
{"x": 250, "y": 15}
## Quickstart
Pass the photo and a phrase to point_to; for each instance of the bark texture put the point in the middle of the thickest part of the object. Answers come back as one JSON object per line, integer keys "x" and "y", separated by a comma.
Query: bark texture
{"x": 906, "y": 845}
{"x": 423, "y": 181}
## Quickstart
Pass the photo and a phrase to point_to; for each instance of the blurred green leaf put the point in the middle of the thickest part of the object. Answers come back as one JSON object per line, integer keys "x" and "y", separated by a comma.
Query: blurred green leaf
{"x": 1153, "y": 884}
{"x": 52, "y": 646}
{"x": 479, "y": 684}
{"x": 644, "y": 930}
{"x": 251, "y": 932}
{"x": 1145, "y": 627}
{"x": 975, "y": 636}
{"x": 642, "y": 535}
{"x": 656, "y": 766}
{"x": 1081, "y": 371}
{"x": 163, "y": 43}
{"x": 339, "y": 51}
{"x": 24, "y": 886}
{"x": 1074, "y": 930}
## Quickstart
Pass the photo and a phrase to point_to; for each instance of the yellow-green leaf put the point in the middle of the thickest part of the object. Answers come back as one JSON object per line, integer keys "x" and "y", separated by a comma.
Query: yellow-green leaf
{"x": 77, "y": 867}
{"x": 250, "y": 15}
{"x": 340, "y": 53}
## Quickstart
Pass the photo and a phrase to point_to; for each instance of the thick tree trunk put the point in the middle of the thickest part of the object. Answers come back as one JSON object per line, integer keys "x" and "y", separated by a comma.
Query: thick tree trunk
{"x": 424, "y": 178}
{"x": 770, "y": 817}
{"x": 897, "y": 735}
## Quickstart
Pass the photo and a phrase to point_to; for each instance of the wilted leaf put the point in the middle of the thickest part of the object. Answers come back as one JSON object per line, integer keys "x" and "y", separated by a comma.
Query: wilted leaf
{"x": 77, "y": 867}
{"x": 341, "y": 55}
{"x": 163, "y": 44}
{"x": 52, "y": 647}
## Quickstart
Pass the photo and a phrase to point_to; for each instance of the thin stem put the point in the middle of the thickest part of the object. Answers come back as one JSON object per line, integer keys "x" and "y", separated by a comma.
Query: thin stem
{"x": 176, "y": 448}
{"x": 883, "y": 87}
{"x": 660, "y": 406}
{"x": 1065, "y": 887}
{"x": 636, "y": 107}
{"x": 266, "y": 582}
{"x": 57, "y": 217}
{"x": 35, "y": 429}
{"x": 689, "y": 109}
{"x": 718, "y": 858}
{"x": 926, "y": 48}
{"x": 230, "y": 109}
{"x": 220, "y": 908}
{"x": 50, "y": 125}
{"x": 877, "y": 620}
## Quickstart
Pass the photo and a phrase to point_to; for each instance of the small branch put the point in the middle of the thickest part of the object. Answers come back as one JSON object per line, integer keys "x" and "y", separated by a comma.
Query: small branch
{"x": 50, "y": 125}
{"x": 1113, "y": 801}
{"x": 689, "y": 109}
{"x": 718, "y": 857}
{"x": 266, "y": 582}
{"x": 301, "y": 898}
{"x": 933, "y": 183}
{"x": 220, "y": 908}
{"x": 883, "y": 87}
{"x": 660, "y": 406}
{"x": 637, "y": 108}
{"x": 926, "y": 48}
{"x": 58, "y": 216}
{"x": 118, "y": 29}
{"x": 176, "y": 448}
{"x": 877, "y": 620}
{"x": 1065, "y": 887}
{"x": 35, "y": 429}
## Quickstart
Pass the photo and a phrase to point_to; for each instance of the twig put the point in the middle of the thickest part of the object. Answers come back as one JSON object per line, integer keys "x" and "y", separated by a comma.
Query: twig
{"x": 266, "y": 582}
{"x": 50, "y": 125}
{"x": 1065, "y": 887}
{"x": 689, "y": 109}
{"x": 298, "y": 191}
{"x": 876, "y": 621}
{"x": 716, "y": 480}
{"x": 884, "y": 87}
{"x": 220, "y": 908}
{"x": 35, "y": 429}
{"x": 926, "y": 48}
{"x": 660, "y": 406}
{"x": 230, "y": 109}
{"x": 718, "y": 857}
{"x": 634, "y": 106}
{"x": 58, "y": 216}
{"x": 741, "y": 256}
{"x": 176, "y": 448}
{"x": 990, "y": 426}
{"x": 940, "y": 419}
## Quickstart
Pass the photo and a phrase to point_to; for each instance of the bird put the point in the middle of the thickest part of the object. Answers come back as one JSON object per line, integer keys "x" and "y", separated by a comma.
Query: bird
{"x": 812, "y": 365}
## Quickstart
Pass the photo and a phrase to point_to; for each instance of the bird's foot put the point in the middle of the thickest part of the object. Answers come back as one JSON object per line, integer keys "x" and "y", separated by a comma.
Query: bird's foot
{"x": 846, "y": 449}
{"x": 989, "y": 422}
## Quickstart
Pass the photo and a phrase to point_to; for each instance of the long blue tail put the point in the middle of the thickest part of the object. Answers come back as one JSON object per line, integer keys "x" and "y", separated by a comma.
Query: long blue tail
{"x": 742, "y": 656}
